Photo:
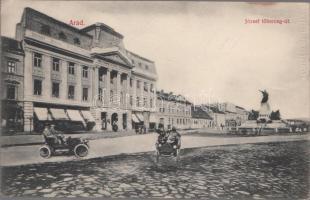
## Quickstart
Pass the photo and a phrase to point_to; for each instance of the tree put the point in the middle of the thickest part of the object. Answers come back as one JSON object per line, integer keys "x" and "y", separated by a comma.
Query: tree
{"x": 275, "y": 115}
{"x": 253, "y": 115}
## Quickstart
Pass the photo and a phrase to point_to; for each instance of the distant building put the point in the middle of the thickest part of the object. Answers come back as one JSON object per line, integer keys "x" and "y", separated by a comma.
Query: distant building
{"x": 218, "y": 116}
{"x": 12, "y": 84}
{"x": 228, "y": 114}
{"x": 173, "y": 110}
{"x": 201, "y": 118}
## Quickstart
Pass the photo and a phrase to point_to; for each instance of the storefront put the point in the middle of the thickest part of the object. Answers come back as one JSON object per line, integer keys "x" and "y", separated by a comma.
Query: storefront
{"x": 12, "y": 117}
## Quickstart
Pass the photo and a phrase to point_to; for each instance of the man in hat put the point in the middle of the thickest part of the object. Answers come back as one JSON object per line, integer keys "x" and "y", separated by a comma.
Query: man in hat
{"x": 50, "y": 132}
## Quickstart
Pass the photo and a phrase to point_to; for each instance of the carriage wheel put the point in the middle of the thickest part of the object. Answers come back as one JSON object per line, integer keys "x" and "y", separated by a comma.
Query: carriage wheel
{"x": 80, "y": 150}
{"x": 45, "y": 151}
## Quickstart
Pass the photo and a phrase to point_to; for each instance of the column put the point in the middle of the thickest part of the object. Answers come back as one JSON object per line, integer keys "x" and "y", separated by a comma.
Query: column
{"x": 129, "y": 120}
{"x": 149, "y": 96}
{"x": 47, "y": 82}
{"x": 78, "y": 85}
{"x": 107, "y": 88}
{"x": 141, "y": 94}
{"x": 134, "y": 93}
{"x": 28, "y": 116}
{"x": 95, "y": 85}
{"x": 64, "y": 80}
{"x": 28, "y": 82}
{"x": 127, "y": 97}
{"x": 118, "y": 88}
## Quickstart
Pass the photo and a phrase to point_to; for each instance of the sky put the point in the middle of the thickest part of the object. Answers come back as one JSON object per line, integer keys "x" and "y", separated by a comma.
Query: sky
{"x": 204, "y": 50}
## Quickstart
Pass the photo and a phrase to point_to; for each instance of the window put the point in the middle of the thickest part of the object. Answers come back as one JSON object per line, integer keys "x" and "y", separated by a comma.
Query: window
{"x": 131, "y": 100}
{"x": 151, "y": 103}
{"x": 146, "y": 67}
{"x": 77, "y": 41}
{"x": 85, "y": 94}
{"x": 37, "y": 60}
{"x": 71, "y": 92}
{"x": 139, "y": 64}
{"x": 56, "y": 64}
{"x": 62, "y": 36}
{"x": 100, "y": 94}
{"x": 133, "y": 62}
{"x": 37, "y": 87}
{"x": 10, "y": 92}
{"x": 144, "y": 102}
{"x": 138, "y": 84}
{"x": 45, "y": 29}
{"x": 85, "y": 72}
{"x": 138, "y": 102}
{"x": 11, "y": 67}
{"x": 55, "y": 89}
{"x": 145, "y": 87}
{"x": 152, "y": 88}
{"x": 71, "y": 68}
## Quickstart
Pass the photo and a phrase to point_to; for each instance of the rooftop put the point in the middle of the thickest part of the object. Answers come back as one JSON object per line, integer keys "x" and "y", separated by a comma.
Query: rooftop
{"x": 10, "y": 44}
{"x": 199, "y": 112}
{"x": 29, "y": 10}
{"x": 172, "y": 97}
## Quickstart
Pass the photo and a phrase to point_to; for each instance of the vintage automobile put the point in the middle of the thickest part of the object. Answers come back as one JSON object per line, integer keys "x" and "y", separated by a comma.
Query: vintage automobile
{"x": 165, "y": 147}
{"x": 77, "y": 146}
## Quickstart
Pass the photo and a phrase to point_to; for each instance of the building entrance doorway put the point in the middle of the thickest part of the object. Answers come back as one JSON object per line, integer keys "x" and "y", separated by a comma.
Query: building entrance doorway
{"x": 114, "y": 120}
{"x": 103, "y": 121}
{"x": 125, "y": 121}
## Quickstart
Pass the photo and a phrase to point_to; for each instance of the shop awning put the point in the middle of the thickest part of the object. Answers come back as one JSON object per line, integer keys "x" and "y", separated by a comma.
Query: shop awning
{"x": 135, "y": 118}
{"x": 41, "y": 113}
{"x": 75, "y": 115}
{"x": 87, "y": 115}
{"x": 58, "y": 113}
{"x": 153, "y": 118}
{"x": 140, "y": 116}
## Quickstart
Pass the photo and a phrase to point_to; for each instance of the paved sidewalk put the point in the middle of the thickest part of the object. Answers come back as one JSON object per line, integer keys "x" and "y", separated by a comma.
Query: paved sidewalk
{"x": 21, "y": 155}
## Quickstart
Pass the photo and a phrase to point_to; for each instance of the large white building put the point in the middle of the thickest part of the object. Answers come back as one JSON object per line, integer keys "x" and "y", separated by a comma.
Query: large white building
{"x": 82, "y": 75}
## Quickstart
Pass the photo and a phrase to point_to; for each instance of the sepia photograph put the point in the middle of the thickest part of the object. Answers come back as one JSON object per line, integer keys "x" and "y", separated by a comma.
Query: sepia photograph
{"x": 155, "y": 100}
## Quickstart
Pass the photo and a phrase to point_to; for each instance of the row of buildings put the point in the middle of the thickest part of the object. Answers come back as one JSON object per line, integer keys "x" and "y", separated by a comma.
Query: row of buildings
{"x": 52, "y": 71}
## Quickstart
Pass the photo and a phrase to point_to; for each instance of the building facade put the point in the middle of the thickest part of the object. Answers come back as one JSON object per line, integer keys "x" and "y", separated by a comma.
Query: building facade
{"x": 82, "y": 75}
{"x": 173, "y": 110}
{"x": 12, "y": 84}
{"x": 201, "y": 118}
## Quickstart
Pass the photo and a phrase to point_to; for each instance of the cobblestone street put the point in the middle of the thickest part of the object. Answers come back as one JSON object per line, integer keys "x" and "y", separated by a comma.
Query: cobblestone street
{"x": 248, "y": 171}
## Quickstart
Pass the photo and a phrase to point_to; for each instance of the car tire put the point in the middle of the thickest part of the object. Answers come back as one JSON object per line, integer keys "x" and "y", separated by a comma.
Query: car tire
{"x": 45, "y": 151}
{"x": 80, "y": 150}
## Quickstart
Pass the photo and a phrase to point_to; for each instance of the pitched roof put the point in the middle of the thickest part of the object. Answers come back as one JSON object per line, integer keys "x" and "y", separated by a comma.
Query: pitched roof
{"x": 199, "y": 112}
{"x": 12, "y": 45}
{"x": 214, "y": 109}
{"x": 171, "y": 97}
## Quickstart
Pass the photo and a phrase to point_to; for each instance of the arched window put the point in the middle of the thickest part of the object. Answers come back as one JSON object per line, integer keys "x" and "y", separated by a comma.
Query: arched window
{"x": 62, "y": 36}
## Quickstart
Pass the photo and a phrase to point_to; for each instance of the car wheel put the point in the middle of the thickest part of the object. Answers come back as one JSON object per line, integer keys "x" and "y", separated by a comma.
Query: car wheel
{"x": 80, "y": 150}
{"x": 45, "y": 151}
